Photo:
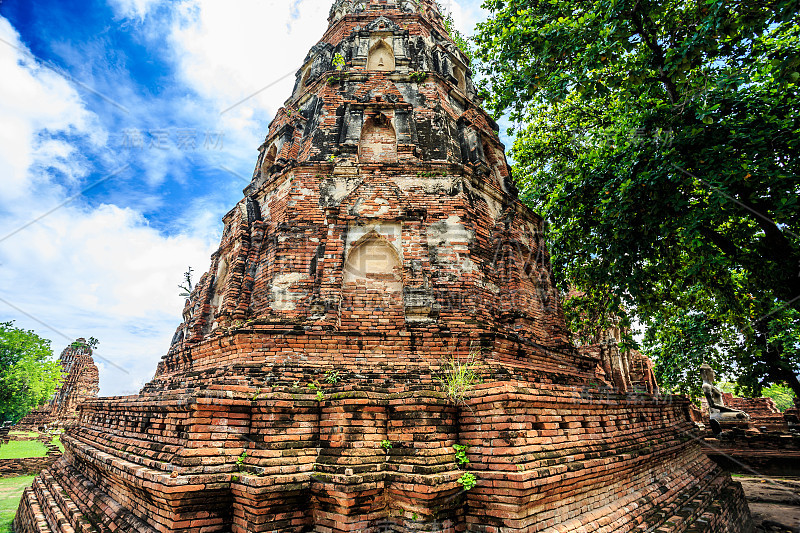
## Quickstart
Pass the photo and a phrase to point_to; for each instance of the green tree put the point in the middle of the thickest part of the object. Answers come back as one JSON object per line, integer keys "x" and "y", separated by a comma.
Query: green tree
{"x": 659, "y": 139}
{"x": 783, "y": 396}
{"x": 28, "y": 374}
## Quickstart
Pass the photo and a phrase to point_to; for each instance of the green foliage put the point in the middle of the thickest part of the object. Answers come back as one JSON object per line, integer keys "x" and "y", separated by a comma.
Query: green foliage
{"x": 336, "y": 79}
{"x": 386, "y": 444}
{"x": 338, "y": 62}
{"x": 315, "y": 386}
{"x": 468, "y": 480}
{"x": 461, "y": 454}
{"x": 783, "y": 396}
{"x": 240, "y": 461}
{"x": 679, "y": 343}
{"x": 28, "y": 374}
{"x": 431, "y": 174}
{"x": 332, "y": 377}
{"x": 459, "y": 377}
{"x": 593, "y": 311}
{"x": 418, "y": 77}
{"x": 656, "y": 138}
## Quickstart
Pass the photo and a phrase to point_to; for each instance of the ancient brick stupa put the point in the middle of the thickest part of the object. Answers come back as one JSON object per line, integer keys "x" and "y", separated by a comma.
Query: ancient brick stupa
{"x": 81, "y": 382}
{"x": 378, "y": 250}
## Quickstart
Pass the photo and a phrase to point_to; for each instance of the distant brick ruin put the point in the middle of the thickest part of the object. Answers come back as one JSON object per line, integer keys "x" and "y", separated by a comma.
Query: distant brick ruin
{"x": 81, "y": 382}
{"x": 379, "y": 250}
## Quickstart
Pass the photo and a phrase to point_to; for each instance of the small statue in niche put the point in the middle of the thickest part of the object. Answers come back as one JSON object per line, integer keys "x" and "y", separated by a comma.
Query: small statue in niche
{"x": 717, "y": 411}
{"x": 408, "y": 6}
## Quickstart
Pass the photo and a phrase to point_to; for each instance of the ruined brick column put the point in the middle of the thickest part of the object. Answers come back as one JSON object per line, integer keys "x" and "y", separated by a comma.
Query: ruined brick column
{"x": 380, "y": 240}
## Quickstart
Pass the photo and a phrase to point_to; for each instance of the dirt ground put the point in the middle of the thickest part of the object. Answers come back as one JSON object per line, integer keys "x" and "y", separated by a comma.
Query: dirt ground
{"x": 774, "y": 503}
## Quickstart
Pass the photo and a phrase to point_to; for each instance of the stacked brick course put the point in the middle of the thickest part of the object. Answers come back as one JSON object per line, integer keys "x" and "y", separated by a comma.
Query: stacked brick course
{"x": 81, "y": 382}
{"x": 380, "y": 240}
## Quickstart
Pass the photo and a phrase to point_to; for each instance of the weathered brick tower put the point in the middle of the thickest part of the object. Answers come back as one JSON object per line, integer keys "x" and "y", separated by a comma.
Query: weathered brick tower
{"x": 380, "y": 238}
{"x": 81, "y": 382}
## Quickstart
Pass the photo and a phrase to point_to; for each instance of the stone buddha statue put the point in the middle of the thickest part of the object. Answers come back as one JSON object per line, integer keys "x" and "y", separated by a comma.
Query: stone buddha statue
{"x": 717, "y": 411}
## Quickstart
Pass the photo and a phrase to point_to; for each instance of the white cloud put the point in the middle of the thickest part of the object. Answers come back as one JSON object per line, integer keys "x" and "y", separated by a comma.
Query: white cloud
{"x": 223, "y": 53}
{"x": 32, "y": 99}
{"x": 81, "y": 270}
{"x": 132, "y": 8}
{"x": 466, "y": 14}
{"x": 228, "y": 51}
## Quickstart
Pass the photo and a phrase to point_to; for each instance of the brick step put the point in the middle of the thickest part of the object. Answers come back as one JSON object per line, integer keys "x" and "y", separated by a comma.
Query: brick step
{"x": 126, "y": 457}
{"x": 51, "y": 511}
{"x": 144, "y": 452}
{"x": 65, "y": 503}
{"x": 91, "y": 509}
{"x": 29, "y": 517}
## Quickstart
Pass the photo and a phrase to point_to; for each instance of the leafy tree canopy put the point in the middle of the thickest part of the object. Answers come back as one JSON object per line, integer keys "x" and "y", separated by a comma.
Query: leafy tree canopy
{"x": 783, "y": 396}
{"x": 660, "y": 140}
{"x": 28, "y": 374}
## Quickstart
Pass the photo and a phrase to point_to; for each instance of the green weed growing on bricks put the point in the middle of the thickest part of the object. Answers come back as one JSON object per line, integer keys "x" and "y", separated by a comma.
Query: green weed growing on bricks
{"x": 459, "y": 376}
{"x": 468, "y": 480}
{"x": 461, "y": 453}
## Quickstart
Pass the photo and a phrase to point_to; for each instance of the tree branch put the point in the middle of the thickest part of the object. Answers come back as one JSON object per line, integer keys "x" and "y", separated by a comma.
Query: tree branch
{"x": 638, "y": 19}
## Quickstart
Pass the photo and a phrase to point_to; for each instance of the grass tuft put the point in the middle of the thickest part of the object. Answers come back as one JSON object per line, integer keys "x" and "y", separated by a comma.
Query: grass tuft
{"x": 459, "y": 376}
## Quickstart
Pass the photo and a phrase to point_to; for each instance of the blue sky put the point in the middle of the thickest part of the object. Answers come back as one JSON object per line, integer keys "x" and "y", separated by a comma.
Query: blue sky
{"x": 127, "y": 130}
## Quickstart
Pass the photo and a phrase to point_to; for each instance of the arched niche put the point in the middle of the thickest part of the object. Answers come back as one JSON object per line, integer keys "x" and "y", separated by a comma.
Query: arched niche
{"x": 381, "y": 57}
{"x": 461, "y": 78}
{"x": 378, "y": 142}
{"x": 375, "y": 263}
{"x": 219, "y": 286}
{"x": 493, "y": 160}
{"x": 269, "y": 159}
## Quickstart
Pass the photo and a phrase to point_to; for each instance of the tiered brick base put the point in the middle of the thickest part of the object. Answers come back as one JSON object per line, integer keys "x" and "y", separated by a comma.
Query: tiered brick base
{"x": 252, "y": 448}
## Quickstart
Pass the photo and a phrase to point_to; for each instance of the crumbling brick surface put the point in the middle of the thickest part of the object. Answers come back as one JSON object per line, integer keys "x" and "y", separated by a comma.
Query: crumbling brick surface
{"x": 303, "y": 390}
